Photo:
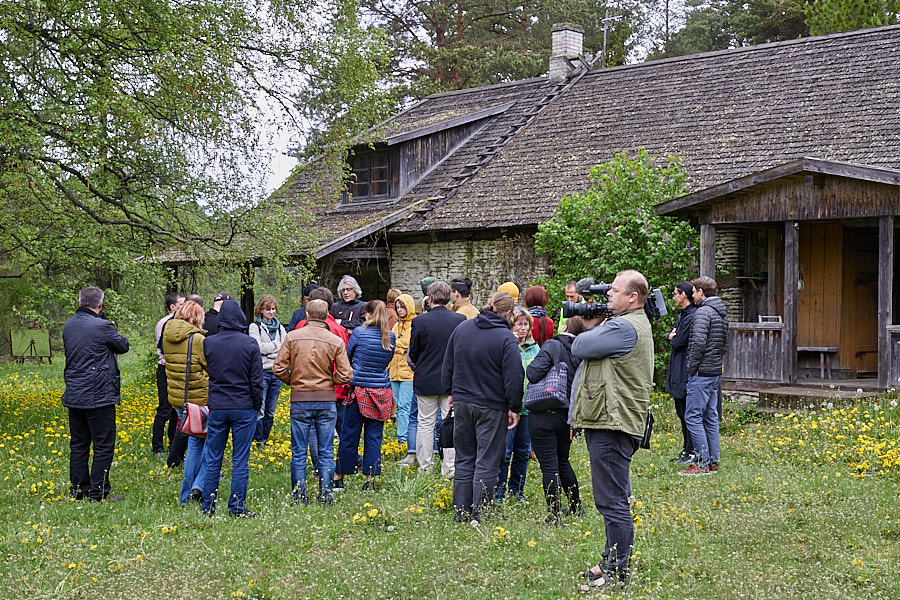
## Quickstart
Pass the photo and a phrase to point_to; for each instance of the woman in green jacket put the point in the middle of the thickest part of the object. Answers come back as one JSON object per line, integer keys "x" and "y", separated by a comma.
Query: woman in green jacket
{"x": 183, "y": 332}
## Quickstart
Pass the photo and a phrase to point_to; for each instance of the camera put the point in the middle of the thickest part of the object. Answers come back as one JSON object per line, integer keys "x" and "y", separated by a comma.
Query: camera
{"x": 655, "y": 306}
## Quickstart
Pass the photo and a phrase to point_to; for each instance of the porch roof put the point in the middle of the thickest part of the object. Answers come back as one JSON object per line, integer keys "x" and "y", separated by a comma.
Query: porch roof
{"x": 794, "y": 202}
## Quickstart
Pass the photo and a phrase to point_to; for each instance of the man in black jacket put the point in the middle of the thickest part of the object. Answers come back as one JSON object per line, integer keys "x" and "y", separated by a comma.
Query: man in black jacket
{"x": 676, "y": 375}
{"x": 211, "y": 320}
{"x": 92, "y": 393}
{"x": 706, "y": 353}
{"x": 427, "y": 345}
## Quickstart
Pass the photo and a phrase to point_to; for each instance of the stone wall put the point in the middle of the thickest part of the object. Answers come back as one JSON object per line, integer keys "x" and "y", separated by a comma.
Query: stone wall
{"x": 487, "y": 262}
{"x": 729, "y": 264}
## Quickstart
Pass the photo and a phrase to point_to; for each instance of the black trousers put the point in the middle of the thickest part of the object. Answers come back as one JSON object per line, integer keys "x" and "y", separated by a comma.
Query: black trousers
{"x": 479, "y": 437}
{"x": 87, "y": 427}
{"x": 550, "y": 442}
{"x": 164, "y": 412}
{"x": 688, "y": 446}
{"x": 610, "y": 453}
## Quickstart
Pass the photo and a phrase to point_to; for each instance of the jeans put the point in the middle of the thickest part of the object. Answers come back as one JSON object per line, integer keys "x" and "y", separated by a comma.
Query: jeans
{"x": 479, "y": 435}
{"x": 242, "y": 424}
{"x": 97, "y": 427}
{"x": 165, "y": 414}
{"x": 427, "y": 421}
{"x": 518, "y": 448}
{"x": 549, "y": 433}
{"x": 680, "y": 404}
{"x": 304, "y": 424}
{"x": 194, "y": 467}
{"x": 702, "y": 416}
{"x": 266, "y": 416}
{"x": 413, "y": 429}
{"x": 179, "y": 443}
{"x": 348, "y": 448}
{"x": 610, "y": 453}
{"x": 403, "y": 393}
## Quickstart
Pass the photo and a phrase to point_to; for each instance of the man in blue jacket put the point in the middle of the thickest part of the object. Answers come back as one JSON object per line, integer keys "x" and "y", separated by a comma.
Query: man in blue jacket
{"x": 92, "y": 393}
{"x": 235, "y": 395}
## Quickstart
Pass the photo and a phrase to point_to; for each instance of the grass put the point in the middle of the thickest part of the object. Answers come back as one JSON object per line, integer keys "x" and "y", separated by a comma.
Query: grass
{"x": 804, "y": 506}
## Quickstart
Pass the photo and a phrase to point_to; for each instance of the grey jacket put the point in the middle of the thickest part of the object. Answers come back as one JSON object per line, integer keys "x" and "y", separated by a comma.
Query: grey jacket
{"x": 709, "y": 333}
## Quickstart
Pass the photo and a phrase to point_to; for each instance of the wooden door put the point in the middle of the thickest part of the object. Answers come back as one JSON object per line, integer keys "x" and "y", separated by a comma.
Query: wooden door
{"x": 820, "y": 298}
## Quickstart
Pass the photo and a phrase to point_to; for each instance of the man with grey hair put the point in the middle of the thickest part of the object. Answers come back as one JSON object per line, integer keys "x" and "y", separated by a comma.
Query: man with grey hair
{"x": 350, "y": 310}
{"x": 92, "y": 393}
{"x": 427, "y": 345}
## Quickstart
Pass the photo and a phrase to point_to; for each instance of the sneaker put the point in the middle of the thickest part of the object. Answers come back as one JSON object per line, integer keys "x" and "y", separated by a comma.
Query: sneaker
{"x": 713, "y": 468}
{"x": 196, "y": 496}
{"x": 408, "y": 461}
{"x": 694, "y": 469}
{"x": 686, "y": 459}
{"x": 577, "y": 511}
{"x": 369, "y": 486}
{"x": 338, "y": 485}
{"x": 244, "y": 514}
{"x": 521, "y": 498}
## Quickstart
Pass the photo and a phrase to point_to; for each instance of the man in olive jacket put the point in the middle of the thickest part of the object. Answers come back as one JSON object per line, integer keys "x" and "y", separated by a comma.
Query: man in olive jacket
{"x": 92, "y": 393}
{"x": 611, "y": 395}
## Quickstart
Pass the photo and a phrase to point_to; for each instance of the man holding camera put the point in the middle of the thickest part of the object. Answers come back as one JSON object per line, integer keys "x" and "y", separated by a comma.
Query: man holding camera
{"x": 611, "y": 395}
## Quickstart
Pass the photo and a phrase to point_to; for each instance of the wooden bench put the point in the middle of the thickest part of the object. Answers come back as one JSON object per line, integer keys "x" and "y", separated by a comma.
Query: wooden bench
{"x": 822, "y": 350}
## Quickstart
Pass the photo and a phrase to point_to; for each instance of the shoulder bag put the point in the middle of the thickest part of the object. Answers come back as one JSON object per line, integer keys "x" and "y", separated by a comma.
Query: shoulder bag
{"x": 550, "y": 392}
{"x": 195, "y": 415}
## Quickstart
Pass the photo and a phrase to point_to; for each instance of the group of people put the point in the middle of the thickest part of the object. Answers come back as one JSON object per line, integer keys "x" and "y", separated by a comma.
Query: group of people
{"x": 352, "y": 365}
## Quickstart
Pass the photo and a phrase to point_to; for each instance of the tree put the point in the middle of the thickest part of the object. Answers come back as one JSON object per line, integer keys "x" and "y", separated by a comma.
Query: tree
{"x": 721, "y": 24}
{"x": 441, "y": 45}
{"x": 832, "y": 16}
{"x": 612, "y": 227}
{"x": 131, "y": 127}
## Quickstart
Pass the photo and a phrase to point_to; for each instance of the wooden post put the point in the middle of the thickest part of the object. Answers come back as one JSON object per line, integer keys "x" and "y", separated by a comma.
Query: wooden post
{"x": 791, "y": 278}
{"x": 708, "y": 250}
{"x": 247, "y": 299}
{"x": 885, "y": 296}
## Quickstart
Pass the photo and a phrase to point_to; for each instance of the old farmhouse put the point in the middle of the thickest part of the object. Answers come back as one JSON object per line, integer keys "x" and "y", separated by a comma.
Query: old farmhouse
{"x": 793, "y": 155}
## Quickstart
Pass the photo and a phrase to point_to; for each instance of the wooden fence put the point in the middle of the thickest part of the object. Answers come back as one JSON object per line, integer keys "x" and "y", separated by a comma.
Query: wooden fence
{"x": 755, "y": 351}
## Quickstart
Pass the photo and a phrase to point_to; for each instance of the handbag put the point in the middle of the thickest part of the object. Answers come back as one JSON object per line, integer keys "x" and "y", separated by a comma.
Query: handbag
{"x": 551, "y": 392}
{"x": 195, "y": 415}
{"x": 648, "y": 431}
{"x": 445, "y": 431}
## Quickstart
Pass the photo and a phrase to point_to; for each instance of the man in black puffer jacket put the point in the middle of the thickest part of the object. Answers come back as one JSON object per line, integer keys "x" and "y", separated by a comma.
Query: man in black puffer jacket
{"x": 706, "y": 352}
{"x": 483, "y": 371}
{"x": 92, "y": 393}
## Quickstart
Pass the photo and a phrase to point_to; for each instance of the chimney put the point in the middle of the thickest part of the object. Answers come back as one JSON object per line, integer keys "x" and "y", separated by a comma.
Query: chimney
{"x": 568, "y": 43}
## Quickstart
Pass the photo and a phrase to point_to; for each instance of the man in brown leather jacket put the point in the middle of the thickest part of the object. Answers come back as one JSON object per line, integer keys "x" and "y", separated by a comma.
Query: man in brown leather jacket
{"x": 312, "y": 360}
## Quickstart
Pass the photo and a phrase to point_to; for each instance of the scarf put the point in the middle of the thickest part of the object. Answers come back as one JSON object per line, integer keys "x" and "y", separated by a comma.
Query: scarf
{"x": 272, "y": 326}
{"x": 537, "y": 312}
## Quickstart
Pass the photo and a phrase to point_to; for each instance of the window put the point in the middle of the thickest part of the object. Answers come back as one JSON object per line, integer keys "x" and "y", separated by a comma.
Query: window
{"x": 369, "y": 180}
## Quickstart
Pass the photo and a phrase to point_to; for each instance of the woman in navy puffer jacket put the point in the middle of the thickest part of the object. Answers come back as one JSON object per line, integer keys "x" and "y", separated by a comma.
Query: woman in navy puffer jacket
{"x": 370, "y": 349}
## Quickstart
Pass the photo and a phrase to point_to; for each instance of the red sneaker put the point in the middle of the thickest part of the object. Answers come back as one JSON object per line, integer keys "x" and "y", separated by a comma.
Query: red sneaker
{"x": 694, "y": 469}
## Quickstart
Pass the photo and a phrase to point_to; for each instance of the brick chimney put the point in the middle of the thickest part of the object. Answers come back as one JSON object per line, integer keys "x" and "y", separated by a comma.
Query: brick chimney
{"x": 568, "y": 43}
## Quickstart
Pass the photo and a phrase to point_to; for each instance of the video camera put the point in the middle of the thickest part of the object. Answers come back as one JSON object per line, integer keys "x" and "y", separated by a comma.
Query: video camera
{"x": 655, "y": 306}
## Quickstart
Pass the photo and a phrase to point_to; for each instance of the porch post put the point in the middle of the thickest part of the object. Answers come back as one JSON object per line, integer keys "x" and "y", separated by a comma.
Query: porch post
{"x": 247, "y": 300}
{"x": 791, "y": 277}
{"x": 708, "y": 250}
{"x": 885, "y": 296}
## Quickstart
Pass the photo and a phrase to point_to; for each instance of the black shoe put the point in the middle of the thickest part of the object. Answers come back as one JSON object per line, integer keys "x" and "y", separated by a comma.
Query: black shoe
{"x": 577, "y": 511}
{"x": 369, "y": 485}
{"x": 196, "y": 496}
{"x": 244, "y": 514}
{"x": 326, "y": 500}
{"x": 108, "y": 499}
{"x": 338, "y": 485}
{"x": 553, "y": 521}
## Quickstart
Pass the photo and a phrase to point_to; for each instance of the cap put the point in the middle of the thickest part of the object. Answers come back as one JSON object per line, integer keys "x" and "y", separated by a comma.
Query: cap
{"x": 223, "y": 296}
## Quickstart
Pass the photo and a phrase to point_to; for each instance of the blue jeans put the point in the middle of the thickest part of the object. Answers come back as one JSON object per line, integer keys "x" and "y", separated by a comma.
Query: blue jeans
{"x": 241, "y": 424}
{"x": 304, "y": 424}
{"x": 266, "y": 416}
{"x": 348, "y": 449}
{"x": 518, "y": 448}
{"x": 702, "y": 417}
{"x": 413, "y": 426}
{"x": 403, "y": 394}
{"x": 194, "y": 470}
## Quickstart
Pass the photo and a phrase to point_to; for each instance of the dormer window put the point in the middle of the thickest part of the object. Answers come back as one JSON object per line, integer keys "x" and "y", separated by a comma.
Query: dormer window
{"x": 370, "y": 176}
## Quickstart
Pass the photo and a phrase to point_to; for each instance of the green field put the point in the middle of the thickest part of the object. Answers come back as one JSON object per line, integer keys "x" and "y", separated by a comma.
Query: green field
{"x": 804, "y": 506}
